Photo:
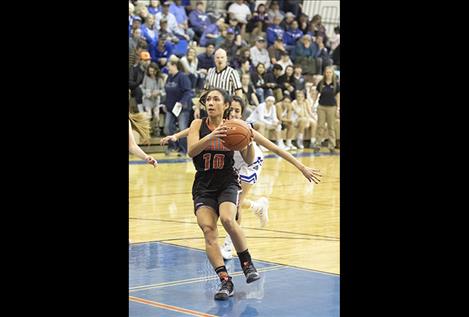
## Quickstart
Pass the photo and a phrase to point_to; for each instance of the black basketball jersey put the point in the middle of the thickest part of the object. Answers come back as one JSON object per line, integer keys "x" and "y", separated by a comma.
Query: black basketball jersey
{"x": 214, "y": 164}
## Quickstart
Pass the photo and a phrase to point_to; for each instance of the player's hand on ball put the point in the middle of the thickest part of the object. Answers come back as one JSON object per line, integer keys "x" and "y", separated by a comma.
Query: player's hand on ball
{"x": 219, "y": 132}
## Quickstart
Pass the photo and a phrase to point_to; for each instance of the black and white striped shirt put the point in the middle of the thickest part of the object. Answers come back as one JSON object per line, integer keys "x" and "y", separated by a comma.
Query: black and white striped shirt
{"x": 227, "y": 79}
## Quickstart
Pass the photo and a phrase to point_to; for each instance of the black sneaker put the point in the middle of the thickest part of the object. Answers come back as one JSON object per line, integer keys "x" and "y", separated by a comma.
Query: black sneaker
{"x": 250, "y": 272}
{"x": 226, "y": 290}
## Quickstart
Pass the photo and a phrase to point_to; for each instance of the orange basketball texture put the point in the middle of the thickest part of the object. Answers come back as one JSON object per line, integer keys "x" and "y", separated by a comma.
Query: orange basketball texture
{"x": 238, "y": 134}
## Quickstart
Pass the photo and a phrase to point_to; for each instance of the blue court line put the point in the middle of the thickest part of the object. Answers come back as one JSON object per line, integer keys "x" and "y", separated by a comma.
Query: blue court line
{"x": 183, "y": 160}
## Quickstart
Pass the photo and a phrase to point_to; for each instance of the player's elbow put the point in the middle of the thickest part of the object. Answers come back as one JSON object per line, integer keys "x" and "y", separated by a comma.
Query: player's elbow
{"x": 191, "y": 152}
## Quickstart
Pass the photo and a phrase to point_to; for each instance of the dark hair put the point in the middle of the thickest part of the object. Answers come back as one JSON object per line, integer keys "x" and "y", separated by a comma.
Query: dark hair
{"x": 178, "y": 64}
{"x": 155, "y": 67}
{"x": 258, "y": 64}
{"x": 142, "y": 44}
{"x": 277, "y": 67}
{"x": 224, "y": 93}
{"x": 337, "y": 30}
{"x": 239, "y": 100}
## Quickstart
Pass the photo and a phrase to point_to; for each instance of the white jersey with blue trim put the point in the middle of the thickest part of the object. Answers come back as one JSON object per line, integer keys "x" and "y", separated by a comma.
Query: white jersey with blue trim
{"x": 249, "y": 173}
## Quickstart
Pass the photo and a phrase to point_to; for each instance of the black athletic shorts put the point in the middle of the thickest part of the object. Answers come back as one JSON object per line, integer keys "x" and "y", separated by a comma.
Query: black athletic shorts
{"x": 214, "y": 197}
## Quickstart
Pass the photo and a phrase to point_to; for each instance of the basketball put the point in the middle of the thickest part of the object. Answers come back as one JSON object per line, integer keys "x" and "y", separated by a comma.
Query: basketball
{"x": 238, "y": 134}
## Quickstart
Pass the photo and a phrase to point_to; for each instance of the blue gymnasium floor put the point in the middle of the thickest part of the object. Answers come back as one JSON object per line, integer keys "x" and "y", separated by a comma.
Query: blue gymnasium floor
{"x": 169, "y": 280}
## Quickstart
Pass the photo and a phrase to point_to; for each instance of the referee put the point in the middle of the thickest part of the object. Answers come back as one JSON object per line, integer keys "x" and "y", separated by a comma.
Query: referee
{"x": 221, "y": 76}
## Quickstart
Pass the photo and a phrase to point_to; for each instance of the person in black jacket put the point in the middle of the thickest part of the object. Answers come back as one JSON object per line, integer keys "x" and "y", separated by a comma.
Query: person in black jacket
{"x": 136, "y": 75}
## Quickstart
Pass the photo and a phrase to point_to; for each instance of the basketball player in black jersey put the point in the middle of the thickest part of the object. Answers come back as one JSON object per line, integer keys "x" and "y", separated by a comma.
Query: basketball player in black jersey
{"x": 216, "y": 188}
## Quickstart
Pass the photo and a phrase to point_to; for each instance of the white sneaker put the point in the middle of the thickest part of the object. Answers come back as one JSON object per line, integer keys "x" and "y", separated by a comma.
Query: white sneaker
{"x": 282, "y": 145}
{"x": 261, "y": 209}
{"x": 226, "y": 252}
{"x": 299, "y": 142}
{"x": 290, "y": 145}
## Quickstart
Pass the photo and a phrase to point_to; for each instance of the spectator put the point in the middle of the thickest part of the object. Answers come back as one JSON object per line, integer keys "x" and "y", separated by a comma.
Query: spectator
{"x": 152, "y": 89}
{"x": 274, "y": 11}
{"x": 240, "y": 57}
{"x": 317, "y": 29}
{"x": 286, "y": 23}
{"x": 163, "y": 51}
{"x": 303, "y": 23}
{"x": 323, "y": 58}
{"x": 134, "y": 56}
{"x": 276, "y": 50}
{"x": 179, "y": 12}
{"x": 305, "y": 119}
{"x": 211, "y": 33}
{"x": 298, "y": 78}
{"x": 259, "y": 54}
{"x": 150, "y": 34}
{"x": 274, "y": 31}
{"x": 306, "y": 55}
{"x": 154, "y": 7}
{"x": 287, "y": 82}
{"x": 258, "y": 80}
{"x": 206, "y": 60}
{"x": 136, "y": 24}
{"x": 264, "y": 118}
{"x": 231, "y": 44}
{"x": 189, "y": 63}
{"x": 240, "y": 11}
{"x": 136, "y": 75}
{"x": 285, "y": 109}
{"x": 249, "y": 95}
{"x": 199, "y": 20}
{"x": 259, "y": 19}
{"x": 133, "y": 40}
{"x": 284, "y": 61}
{"x": 271, "y": 82}
{"x": 291, "y": 36}
{"x": 178, "y": 92}
{"x": 335, "y": 39}
{"x": 293, "y": 6}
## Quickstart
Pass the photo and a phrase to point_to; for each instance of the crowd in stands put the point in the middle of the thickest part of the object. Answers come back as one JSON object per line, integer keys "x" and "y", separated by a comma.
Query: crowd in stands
{"x": 285, "y": 66}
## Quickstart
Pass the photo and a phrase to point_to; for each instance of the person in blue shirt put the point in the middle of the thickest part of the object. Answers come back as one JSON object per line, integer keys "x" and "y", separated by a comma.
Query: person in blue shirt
{"x": 153, "y": 7}
{"x": 199, "y": 20}
{"x": 211, "y": 33}
{"x": 178, "y": 91}
{"x": 162, "y": 52}
{"x": 274, "y": 31}
{"x": 291, "y": 36}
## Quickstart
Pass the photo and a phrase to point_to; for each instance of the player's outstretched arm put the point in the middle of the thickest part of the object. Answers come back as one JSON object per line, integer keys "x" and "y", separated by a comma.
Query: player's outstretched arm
{"x": 311, "y": 174}
{"x": 175, "y": 137}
